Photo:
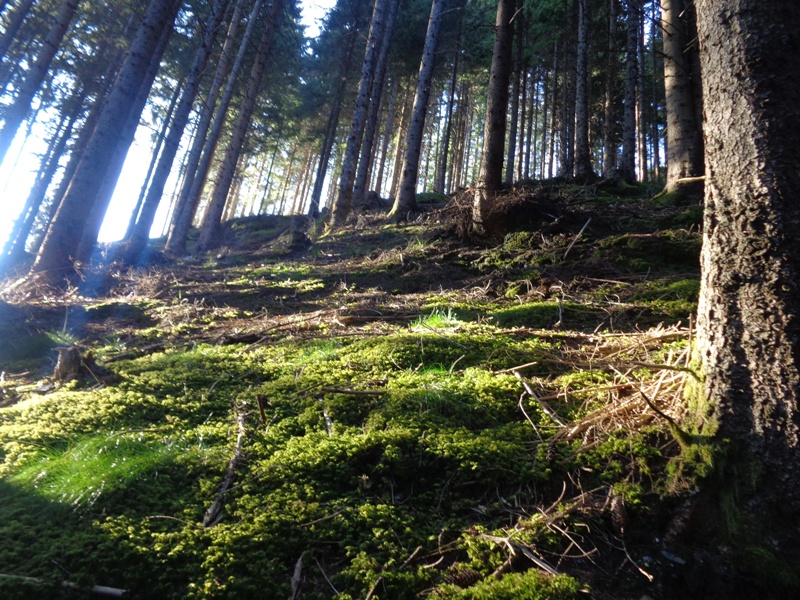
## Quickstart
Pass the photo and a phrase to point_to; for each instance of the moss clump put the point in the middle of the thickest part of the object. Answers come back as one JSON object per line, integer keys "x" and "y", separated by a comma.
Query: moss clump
{"x": 676, "y": 251}
{"x": 529, "y": 585}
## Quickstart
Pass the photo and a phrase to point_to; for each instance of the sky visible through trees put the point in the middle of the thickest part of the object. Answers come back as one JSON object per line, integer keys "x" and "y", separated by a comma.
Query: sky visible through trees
{"x": 18, "y": 170}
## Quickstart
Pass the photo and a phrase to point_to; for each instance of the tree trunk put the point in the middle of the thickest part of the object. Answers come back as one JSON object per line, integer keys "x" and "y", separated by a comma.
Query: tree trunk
{"x": 344, "y": 198}
{"x": 387, "y": 137}
{"x": 749, "y": 314}
{"x": 406, "y": 200}
{"x": 63, "y": 237}
{"x": 583, "y": 159}
{"x": 141, "y": 231}
{"x": 610, "y": 112}
{"x": 515, "y": 91}
{"x": 208, "y": 132}
{"x": 155, "y": 152}
{"x": 332, "y": 125}
{"x": 371, "y": 125}
{"x": 684, "y": 124}
{"x": 441, "y": 167}
{"x": 16, "y": 113}
{"x": 125, "y": 135}
{"x": 491, "y": 176}
{"x": 15, "y": 245}
{"x": 627, "y": 167}
{"x": 209, "y": 235}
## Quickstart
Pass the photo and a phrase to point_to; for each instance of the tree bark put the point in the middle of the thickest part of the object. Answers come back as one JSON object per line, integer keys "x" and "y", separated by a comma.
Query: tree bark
{"x": 610, "y": 112}
{"x": 344, "y": 198}
{"x": 208, "y": 132}
{"x": 137, "y": 240}
{"x": 125, "y": 135}
{"x": 583, "y": 159}
{"x": 212, "y": 225}
{"x": 61, "y": 242}
{"x": 406, "y": 200}
{"x": 491, "y": 176}
{"x": 378, "y": 83}
{"x": 749, "y": 314}
{"x": 627, "y": 167}
{"x": 515, "y": 91}
{"x": 684, "y": 124}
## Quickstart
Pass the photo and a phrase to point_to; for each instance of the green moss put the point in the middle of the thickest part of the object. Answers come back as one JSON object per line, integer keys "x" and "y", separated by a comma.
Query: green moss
{"x": 676, "y": 251}
{"x": 530, "y": 585}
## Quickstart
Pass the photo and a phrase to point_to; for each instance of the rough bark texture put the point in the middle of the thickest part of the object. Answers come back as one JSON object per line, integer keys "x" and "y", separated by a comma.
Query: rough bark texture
{"x": 749, "y": 315}
{"x": 406, "y": 200}
{"x": 365, "y": 160}
{"x": 609, "y": 118}
{"x": 515, "y": 92}
{"x": 684, "y": 123}
{"x": 491, "y": 177}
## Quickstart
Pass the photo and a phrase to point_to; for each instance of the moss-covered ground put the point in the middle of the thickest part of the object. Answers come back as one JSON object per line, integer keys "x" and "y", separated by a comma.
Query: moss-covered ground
{"x": 387, "y": 412}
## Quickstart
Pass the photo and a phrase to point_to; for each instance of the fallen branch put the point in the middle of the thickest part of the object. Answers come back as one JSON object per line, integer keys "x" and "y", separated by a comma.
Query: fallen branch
{"x": 545, "y": 407}
{"x": 212, "y": 515}
{"x": 95, "y": 590}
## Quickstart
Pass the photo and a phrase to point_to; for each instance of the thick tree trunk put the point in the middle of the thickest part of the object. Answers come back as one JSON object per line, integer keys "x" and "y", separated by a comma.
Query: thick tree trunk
{"x": 344, "y": 197}
{"x": 16, "y": 113}
{"x": 61, "y": 242}
{"x": 406, "y": 200}
{"x": 749, "y": 314}
{"x": 491, "y": 177}
{"x": 212, "y": 225}
{"x": 583, "y": 159}
{"x": 137, "y": 240}
{"x": 684, "y": 124}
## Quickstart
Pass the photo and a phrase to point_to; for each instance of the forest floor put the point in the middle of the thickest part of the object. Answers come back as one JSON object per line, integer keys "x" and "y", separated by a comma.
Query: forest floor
{"x": 382, "y": 411}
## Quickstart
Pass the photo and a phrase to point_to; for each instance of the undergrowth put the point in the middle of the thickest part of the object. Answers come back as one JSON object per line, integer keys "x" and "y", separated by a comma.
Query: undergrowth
{"x": 346, "y": 426}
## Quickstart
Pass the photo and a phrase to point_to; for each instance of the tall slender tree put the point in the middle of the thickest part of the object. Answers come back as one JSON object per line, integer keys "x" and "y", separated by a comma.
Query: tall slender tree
{"x": 344, "y": 196}
{"x": 491, "y": 175}
{"x": 16, "y": 113}
{"x": 144, "y": 222}
{"x": 684, "y": 123}
{"x": 212, "y": 220}
{"x": 60, "y": 245}
{"x": 583, "y": 158}
{"x": 406, "y": 201}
